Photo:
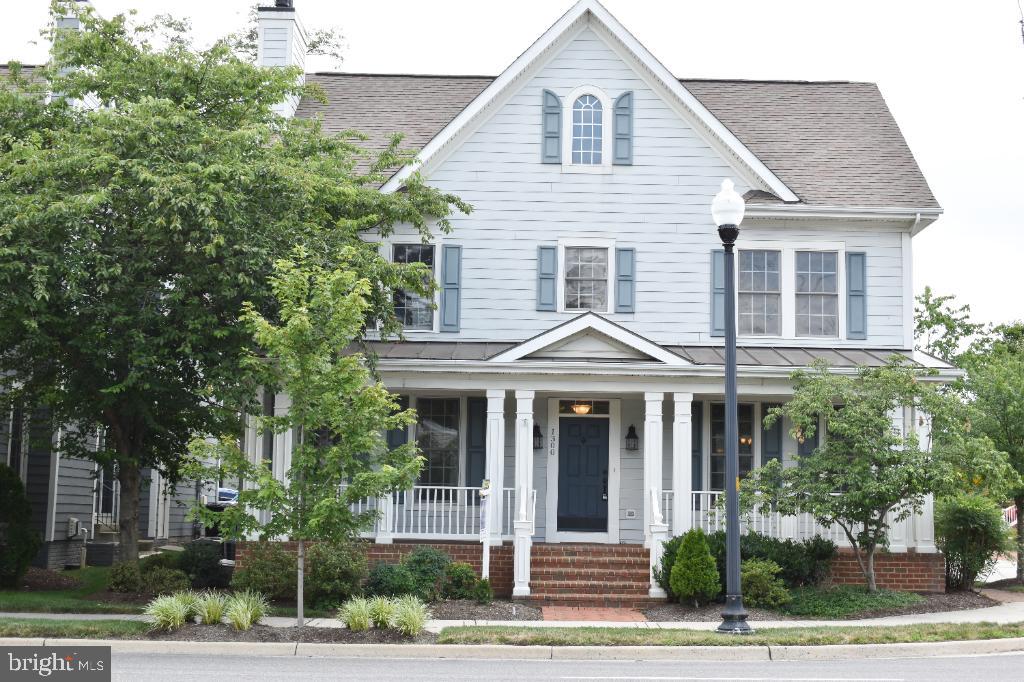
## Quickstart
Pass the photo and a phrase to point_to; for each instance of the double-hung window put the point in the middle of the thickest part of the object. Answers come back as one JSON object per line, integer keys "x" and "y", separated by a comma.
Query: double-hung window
{"x": 760, "y": 293}
{"x": 745, "y": 424}
{"x": 437, "y": 435}
{"x": 817, "y": 293}
{"x": 586, "y": 278}
{"x": 414, "y": 311}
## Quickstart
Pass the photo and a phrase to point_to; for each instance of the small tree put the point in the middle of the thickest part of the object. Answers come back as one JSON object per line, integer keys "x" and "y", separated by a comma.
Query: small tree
{"x": 866, "y": 475}
{"x": 18, "y": 540}
{"x": 971, "y": 533}
{"x": 694, "y": 573}
{"x": 338, "y": 415}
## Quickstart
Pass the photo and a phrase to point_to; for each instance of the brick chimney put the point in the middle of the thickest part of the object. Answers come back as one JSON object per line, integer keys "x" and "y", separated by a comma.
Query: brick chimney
{"x": 281, "y": 42}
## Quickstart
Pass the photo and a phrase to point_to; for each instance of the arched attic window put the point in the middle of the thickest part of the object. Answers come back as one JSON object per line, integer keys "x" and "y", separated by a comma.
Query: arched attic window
{"x": 587, "y": 130}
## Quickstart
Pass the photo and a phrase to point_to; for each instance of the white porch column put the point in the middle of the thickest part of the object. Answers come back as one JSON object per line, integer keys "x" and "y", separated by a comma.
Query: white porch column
{"x": 495, "y": 465}
{"x": 682, "y": 463}
{"x": 385, "y": 519}
{"x": 653, "y": 454}
{"x": 523, "y": 523}
{"x": 282, "y": 441}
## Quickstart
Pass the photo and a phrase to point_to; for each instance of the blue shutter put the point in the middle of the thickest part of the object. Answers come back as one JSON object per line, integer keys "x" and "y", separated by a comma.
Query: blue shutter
{"x": 771, "y": 439}
{"x": 625, "y": 280}
{"x": 451, "y": 276}
{"x": 476, "y": 440}
{"x": 856, "y": 296}
{"x": 551, "y": 128}
{"x": 807, "y": 448}
{"x": 622, "y": 154}
{"x": 718, "y": 292}
{"x": 697, "y": 450}
{"x": 547, "y": 277}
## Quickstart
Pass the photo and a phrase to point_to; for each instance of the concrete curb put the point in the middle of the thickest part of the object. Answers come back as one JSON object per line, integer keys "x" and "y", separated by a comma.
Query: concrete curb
{"x": 501, "y": 651}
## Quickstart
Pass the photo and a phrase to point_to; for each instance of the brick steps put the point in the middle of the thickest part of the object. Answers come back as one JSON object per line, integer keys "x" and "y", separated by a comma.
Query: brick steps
{"x": 590, "y": 575}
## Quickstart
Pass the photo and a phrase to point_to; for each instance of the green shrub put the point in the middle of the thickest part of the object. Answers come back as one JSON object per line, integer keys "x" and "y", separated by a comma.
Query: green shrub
{"x": 269, "y": 570}
{"x": 663, "y": 571}
{"x": 356, "y": 614}
{"x": 336, "y": 570}
{"x": 459, "y": 581}
{"x": 245, "y": 609}
{"x": 801, "y": 564}
{"x": 201, "y": 562}
{"x": 970, "y": 531}
{"x": 761, "y": 586}
{"x": 426, "y": 565}
{"x": 164, "y": 581}
{"x": 210, "y": 607}
{"x": 125, "y": 577}
{"x": 389, "y": 580}
{"x": 168, "y": 612}
{"x": 382, "y": 612}
{"x": 482, "y": 593}
{"x": 694, "y": 577}
{"x": 170, "y": 560}
{"x": 18, "y": 541}
{"x": 411, "y": 616}
{"x": 845, "y": 601}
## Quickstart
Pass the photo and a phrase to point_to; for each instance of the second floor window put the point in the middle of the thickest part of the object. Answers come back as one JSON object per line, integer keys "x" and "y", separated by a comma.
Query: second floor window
{"x": 412, "y": 310}
{"x": 817, "y": 293}
{"x": 586, "y": 278}
{"x": 760, "y": 293}
{"x": 587, "y": 131}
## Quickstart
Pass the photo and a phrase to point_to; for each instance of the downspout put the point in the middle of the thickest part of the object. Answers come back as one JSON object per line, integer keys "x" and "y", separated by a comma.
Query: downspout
{"x": 917, "y": 221}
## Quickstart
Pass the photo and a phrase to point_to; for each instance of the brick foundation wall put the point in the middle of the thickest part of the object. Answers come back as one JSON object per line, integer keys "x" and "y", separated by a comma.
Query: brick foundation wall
{"x": 468, "y": 552}
{"x": 905, "y": 572}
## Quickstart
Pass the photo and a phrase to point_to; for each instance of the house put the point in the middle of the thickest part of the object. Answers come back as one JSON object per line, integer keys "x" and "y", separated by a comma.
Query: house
{"x": 572, "y": 358}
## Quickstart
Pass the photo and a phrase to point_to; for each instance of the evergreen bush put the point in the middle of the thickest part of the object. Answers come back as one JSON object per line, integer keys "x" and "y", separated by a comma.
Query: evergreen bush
{"x": 694, "y": 576}
{"x": 18, "y": 541}
{"x": 970, "y": 531}
{"x": 761, "y": 586}
{"x": 336, "y": 571}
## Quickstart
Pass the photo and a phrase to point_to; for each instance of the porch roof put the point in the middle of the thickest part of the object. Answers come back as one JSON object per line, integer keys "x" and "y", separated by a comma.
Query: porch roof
{"x": 752, "y": 356}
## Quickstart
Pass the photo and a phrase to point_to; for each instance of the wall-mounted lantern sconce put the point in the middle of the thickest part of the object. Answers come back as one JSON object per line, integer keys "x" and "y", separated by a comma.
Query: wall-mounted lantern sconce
{"x": 538, "y": 438}
{"x": 632, "y": 440}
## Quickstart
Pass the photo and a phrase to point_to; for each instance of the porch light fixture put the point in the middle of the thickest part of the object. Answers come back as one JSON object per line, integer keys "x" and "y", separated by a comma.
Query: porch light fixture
{"x": 746, "y": 440}
{"x": 538, "y": 437}
{"x": 727, "y": 211}
{"x": 632, "y": 440}
{"x": 582, "y": 408}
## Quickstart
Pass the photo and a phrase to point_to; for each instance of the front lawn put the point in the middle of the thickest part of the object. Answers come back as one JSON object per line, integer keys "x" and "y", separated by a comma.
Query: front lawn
{"x": 78, "y": 629}
{"x": 525, "y": 636}
{"x": 844, "y": 601}
{"x": 87, "y": 597}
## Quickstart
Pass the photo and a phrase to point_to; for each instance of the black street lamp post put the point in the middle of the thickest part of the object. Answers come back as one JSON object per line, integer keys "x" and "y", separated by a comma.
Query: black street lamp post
{"x": 727, "y": 211}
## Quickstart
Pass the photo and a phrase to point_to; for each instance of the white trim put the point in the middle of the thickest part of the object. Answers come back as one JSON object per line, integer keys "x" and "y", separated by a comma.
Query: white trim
{"x": 435, "y": 318}
{"x": 908, "y": 290}
{"x": 580, "y": 12}
{"x": 614, "y": 417}
{"x": 607, "y": 117}
{"x": 585, "y": 243}
{"x": 51, "y": 522}
{"x": 589, "y": 321}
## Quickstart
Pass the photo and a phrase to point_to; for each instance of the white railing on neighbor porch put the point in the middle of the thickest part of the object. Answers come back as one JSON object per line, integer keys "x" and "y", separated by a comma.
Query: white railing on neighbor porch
{"x": 433, "y": 512}
{"x": 1010, "y": 515}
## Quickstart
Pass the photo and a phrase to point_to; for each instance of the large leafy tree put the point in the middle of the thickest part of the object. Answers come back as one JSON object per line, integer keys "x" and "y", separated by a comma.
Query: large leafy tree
{"x": 132, "y": 231}
{"x": 338, "y": 415}
{"x": 865, "y": 475}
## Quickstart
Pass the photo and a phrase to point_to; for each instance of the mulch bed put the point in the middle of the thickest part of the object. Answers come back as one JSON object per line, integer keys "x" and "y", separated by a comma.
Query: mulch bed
{"x": 933, "y": 603}
{"x": 42, "y": 580}
{"x": 265, "y": 633}
{"x": 464, "y": 609}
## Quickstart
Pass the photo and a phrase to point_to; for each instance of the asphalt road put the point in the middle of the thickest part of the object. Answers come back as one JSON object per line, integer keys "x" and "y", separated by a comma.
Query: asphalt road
{"x": 177, "y": 667}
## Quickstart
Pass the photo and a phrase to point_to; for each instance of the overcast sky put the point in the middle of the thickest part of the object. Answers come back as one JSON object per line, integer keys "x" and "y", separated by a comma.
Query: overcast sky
{"x": 952, "y": 72}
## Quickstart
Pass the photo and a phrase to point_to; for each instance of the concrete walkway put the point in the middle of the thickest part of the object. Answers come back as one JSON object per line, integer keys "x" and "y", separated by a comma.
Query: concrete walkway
{"x": 1007, "y": 612}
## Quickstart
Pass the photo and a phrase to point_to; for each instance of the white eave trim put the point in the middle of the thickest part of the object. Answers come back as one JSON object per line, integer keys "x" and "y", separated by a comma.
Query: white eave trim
{"x": 610, "y": 23}
{"x": 583, "y": 323}
{"x": 917, "y": 215}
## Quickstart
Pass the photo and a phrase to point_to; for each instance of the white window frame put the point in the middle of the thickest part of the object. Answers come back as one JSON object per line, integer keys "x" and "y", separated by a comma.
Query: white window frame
{"x": 838, "y": 294}
{"x": 413, "y": 429}
{"x": 774, "y": 293}
{"x": 585, "y": 243}
{"x": 607, "y": 131}
{"x": 788, "y": 286}
{"x": 386, "y": 248}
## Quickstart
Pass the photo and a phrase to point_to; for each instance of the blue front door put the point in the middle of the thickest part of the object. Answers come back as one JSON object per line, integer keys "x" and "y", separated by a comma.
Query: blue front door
{"x": 583, "y": 475}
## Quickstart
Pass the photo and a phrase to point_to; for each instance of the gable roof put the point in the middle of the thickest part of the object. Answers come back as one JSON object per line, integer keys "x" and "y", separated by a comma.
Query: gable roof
{"x": 834, "y": 143}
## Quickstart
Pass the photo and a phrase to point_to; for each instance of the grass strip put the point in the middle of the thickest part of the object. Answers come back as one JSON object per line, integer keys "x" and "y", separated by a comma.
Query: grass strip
{"x": 74, "y": 600}
{"x": 77, "y": 629}
{"x": 605, "y": 636}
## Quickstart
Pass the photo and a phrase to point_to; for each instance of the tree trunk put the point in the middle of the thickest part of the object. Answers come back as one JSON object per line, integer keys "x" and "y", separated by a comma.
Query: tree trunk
{"x": 302, "y": 579}
{"x": 1019, "y": 503}
{"x": 869, "y": 572}
{"x": 128, "y": 511}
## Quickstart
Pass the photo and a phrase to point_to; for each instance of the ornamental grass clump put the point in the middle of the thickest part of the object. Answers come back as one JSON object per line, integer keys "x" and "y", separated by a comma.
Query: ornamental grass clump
{"x": 382, "y": 612}
{"x": 356, "y": 614}
{"x": 190, "y": 600}
{"x": 210, "y": 607}
{"x": 245, "y": 609}
{"x": 411, "y": 616}
{"x": 168, "y": 612}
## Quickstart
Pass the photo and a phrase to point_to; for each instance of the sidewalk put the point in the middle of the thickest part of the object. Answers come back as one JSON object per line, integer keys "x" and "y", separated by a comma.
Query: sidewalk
{"x": 1007, "y": 612}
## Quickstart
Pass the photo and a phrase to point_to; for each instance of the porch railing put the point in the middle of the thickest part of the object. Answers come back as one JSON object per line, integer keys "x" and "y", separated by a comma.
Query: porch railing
{"x": 433, "y": 512}
{"x": 1010, "y": 515}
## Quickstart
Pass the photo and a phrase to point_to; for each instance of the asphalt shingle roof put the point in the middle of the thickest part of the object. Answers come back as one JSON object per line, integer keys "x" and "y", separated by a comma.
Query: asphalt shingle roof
{"x": 832, "y": 143}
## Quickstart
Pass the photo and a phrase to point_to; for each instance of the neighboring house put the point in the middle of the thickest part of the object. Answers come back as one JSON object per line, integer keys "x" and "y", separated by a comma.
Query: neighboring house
{"x": 573, "y": 355}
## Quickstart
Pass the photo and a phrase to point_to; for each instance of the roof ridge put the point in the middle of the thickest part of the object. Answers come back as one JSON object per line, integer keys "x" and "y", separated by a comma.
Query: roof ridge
{"x": 397, "y": 75}
{"x": 680, "y": 79}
